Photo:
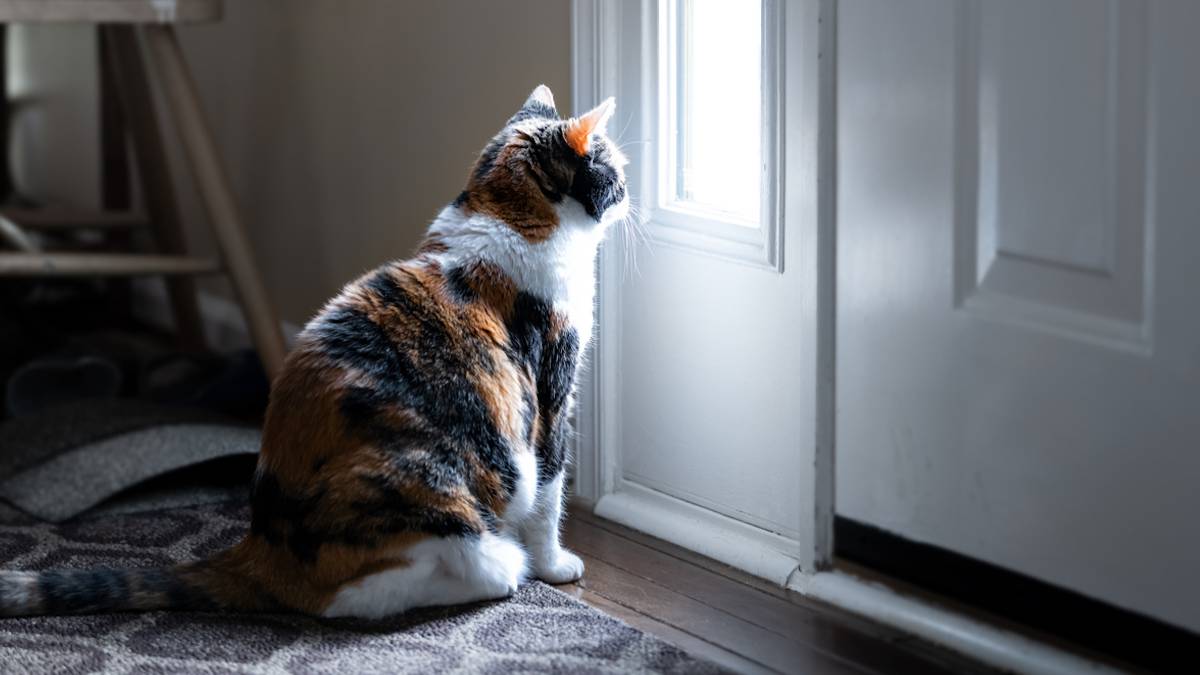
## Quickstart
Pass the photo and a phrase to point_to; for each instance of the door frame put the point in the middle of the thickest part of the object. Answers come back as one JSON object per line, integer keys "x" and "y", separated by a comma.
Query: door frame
{"x": 806, "y": 95}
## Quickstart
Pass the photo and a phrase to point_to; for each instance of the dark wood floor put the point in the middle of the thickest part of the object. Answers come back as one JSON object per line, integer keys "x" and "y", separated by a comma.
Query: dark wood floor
{"x": 728, "y": 617}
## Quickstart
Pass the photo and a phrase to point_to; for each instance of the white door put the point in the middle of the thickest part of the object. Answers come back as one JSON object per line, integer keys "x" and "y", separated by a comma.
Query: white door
{"x": 706, "y": 363}
{"x": 1018, "y": 334}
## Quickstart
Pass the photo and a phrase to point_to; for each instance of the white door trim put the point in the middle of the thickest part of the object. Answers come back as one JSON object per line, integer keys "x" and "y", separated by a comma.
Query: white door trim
{"x": 698, "y": 529}
{"x": 593, "y": 67}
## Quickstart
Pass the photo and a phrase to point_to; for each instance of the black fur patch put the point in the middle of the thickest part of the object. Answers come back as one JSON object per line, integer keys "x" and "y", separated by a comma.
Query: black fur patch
{"x": 528, "y": 414}
{"x": 397, "y": 514}
{"x": 487, "y": 158}
{"x": 558, "y": 371}
{"x": 556, "y": 163}
{"x": 294, "y": 520}
{"x": 460, "y": 288}
{"x": 597, "y": 187}
{"x": 276, "y": 516}
{"x": 179, "y": 594}
{"x": 83, "y": 591}
{"x": 552, "y": 363}
{"x": 534, "y": 109}
{"x": 104, "y": 589}
{"x": 555, "y": 381}
{"x": 527, "y": 327}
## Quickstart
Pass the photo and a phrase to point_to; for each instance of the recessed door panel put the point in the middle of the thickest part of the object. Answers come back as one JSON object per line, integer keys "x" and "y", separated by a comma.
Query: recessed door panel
{"x": 1050, "y": 114}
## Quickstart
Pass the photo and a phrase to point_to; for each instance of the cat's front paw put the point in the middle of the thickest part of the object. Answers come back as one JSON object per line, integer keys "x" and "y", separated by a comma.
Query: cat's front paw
{"x": 565, "y": 568}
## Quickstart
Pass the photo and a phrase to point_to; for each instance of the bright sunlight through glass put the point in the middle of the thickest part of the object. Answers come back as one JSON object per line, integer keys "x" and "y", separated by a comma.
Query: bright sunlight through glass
{"x": 718, "y": 90}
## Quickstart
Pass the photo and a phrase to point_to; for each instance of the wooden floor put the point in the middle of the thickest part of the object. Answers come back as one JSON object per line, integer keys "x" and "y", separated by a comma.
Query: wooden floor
{"x": 742, "y": 623}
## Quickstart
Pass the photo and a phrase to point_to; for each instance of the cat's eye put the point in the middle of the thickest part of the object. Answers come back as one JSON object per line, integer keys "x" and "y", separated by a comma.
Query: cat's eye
{"x": 715, "y": 90}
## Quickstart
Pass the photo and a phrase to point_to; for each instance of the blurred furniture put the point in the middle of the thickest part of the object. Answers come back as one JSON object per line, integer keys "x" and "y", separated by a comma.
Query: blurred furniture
{"x": 125, "y": 72}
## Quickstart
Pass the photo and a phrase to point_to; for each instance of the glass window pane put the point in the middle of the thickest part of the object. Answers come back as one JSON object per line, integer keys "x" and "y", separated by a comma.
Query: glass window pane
{"x": 718, "y": 89}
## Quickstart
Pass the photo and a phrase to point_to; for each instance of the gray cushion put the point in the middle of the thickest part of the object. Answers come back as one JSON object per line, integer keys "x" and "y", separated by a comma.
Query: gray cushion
{"x": 31, "y": 439}
{"x": 78, "y": 479}
{"x": 57, "y": 463}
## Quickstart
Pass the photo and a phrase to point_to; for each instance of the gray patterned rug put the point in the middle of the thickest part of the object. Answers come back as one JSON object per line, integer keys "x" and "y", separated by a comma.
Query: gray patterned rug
{"x": 538, "y": 630}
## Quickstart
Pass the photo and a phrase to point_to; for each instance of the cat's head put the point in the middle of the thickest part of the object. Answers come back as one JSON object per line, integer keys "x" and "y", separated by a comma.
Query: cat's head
{"x": 542, "y": 172}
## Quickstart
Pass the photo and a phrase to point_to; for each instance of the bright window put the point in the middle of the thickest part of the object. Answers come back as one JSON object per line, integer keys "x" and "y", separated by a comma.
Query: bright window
{"x": 715, "y": 108}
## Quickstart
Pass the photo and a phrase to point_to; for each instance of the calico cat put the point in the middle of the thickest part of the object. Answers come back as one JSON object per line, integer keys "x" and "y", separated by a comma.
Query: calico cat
{"x": 415, "y": 444}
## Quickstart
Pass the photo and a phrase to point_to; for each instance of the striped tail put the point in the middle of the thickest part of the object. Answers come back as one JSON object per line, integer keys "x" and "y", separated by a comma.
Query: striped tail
{"x": 203, "y": 586}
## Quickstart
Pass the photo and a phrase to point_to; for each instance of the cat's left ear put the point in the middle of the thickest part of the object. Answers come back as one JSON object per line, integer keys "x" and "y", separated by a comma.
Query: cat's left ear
{"x": 539, "y": 104}
{"x": 580, "y": 130}
{"x": 541, "y": 95}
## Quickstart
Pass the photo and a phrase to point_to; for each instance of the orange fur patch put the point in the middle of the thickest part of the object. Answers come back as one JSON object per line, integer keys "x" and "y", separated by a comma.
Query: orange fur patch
{"x": 580, "y": 129}
{"x": 509, "y": 194}
{"x": 579, "y": 136}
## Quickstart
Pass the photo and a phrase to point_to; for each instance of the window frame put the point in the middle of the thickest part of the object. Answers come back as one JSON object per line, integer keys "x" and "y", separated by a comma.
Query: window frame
{"x": 675, "y": 222}
{"x": 629, "y": 60}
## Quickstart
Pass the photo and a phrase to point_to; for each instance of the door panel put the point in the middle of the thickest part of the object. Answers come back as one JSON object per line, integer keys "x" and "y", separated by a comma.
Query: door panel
{"x": 727, "y": 440}
{"x": 1018, "y": 357}
{"x": 1051, "y": 127}
{"x": 1048, "y": 132}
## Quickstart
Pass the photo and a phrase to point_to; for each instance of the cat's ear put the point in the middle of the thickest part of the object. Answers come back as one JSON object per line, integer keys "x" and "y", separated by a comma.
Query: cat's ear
{"x": 580, "y": 129}
{"x": 539, "y": 104}
{"x": 541, "y": 95}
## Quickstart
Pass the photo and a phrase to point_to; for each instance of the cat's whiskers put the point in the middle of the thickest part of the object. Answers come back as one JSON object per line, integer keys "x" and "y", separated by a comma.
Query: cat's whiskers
{"x": 633, "y": 237}
{"x": 628, "y": 121}
{"x": 632, "y": 226}
{"x": 626, "y": 144}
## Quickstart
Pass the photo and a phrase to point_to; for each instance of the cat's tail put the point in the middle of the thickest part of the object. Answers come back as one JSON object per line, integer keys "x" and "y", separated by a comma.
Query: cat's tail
{"x": 208, "y": 585}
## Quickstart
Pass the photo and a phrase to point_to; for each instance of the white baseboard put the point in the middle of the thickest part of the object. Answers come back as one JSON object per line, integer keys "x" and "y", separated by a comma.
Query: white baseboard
{"x": 977, "y": 639}
{"x": 706, "y": 532}
{"x": 225, "y": 327}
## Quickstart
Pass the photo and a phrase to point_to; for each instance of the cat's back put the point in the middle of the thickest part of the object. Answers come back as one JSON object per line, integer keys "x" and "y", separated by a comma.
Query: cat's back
{"x": 411, "y": 367}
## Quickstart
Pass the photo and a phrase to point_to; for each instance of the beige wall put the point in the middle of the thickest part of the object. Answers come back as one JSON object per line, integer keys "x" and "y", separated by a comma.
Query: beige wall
{"x": 347, "y": 124}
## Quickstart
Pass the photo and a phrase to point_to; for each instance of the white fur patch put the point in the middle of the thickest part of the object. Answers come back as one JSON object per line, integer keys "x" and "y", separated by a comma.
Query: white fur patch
{"x": 548, "y": 559}
{"x": 441, "y": 571}
{"x": 559, "y": 270}
{"x": 526, "y": 490}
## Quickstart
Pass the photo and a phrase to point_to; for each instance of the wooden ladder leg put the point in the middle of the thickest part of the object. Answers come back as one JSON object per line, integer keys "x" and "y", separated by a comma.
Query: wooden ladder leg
{"x": 180, "y": 89}
{"x": 122, "y": 63}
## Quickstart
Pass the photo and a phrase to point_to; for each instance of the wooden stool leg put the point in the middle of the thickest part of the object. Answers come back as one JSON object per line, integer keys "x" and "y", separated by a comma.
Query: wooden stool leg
{"x": 122, "y": 63}
{"x": 180, "y": 89}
